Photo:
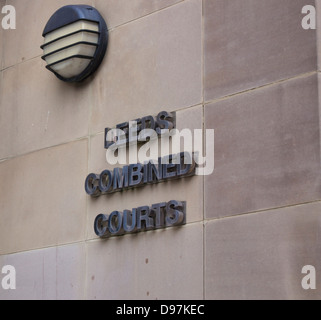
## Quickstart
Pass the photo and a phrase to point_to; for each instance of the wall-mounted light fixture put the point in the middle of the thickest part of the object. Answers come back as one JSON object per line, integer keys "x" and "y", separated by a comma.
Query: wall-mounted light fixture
{"x": 76, "y": 39}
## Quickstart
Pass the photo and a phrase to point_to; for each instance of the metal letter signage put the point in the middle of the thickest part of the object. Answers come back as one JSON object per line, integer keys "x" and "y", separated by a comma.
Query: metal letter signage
{"x": 158, "y": 216}
{"x": 145, "y": 218}
{"x": 134, "y": 175}
{"x": 131, "y": 130}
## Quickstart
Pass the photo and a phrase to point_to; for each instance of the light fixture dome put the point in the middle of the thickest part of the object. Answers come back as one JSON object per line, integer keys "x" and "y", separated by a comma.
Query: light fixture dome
{"x": 76, "y": 39}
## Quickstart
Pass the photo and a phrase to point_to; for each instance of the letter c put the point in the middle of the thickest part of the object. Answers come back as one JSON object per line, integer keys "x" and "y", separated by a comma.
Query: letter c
{"x": 115, "y": 223}
{"x": 198, "y": 310}
{"x": 100, "y": 225}
{"x": 91, "y": 185}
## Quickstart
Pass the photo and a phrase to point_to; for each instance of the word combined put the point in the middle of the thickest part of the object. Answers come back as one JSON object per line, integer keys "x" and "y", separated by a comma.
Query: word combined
{"x": 135, "y": 175}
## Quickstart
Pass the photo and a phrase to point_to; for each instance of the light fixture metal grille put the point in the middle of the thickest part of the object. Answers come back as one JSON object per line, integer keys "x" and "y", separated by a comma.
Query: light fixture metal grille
{"x": 73, "y": 50}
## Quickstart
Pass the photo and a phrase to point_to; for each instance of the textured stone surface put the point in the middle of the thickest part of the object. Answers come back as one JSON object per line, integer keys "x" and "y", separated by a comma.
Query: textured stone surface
{"x": 42, "y": 201}
{"x": 47, "y": 274}
{"x": 318, "y": 32}
{"x": 267, "y": 149}
{"x": 261, "y": 256}
{"x": 151, "y": 265}
{"x": 38, "y": 111}
{"x": 118, "y": 12}
{"x": 250, "y": 43}
{"x": 152, "y": 64}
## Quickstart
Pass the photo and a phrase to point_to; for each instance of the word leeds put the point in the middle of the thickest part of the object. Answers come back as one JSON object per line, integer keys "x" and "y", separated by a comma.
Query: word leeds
{"x": 133, "y": 131}
{"x": 158, "y": 216}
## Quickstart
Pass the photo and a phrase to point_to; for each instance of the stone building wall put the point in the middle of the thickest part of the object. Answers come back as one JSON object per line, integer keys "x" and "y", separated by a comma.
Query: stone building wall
{"x": 245, "y": 68}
